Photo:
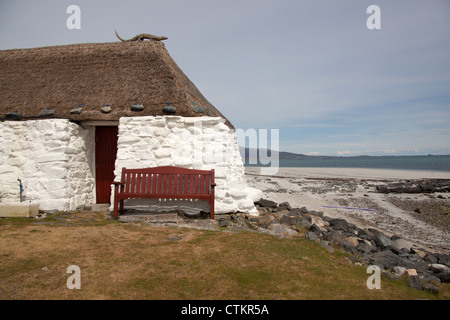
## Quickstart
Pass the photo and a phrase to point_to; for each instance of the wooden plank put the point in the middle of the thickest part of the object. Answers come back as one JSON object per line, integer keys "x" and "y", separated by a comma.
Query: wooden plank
{"x": 133, "y": 183}
{"x": 196, "y": 184}
{"x": 191, "y": 184}
{"x": 185, "y": 183}
{"x": 138, "y": 184}
{"x": 154, "y": 180}
{"x": 202, "y": 184}
{"x": 159, "y": 188}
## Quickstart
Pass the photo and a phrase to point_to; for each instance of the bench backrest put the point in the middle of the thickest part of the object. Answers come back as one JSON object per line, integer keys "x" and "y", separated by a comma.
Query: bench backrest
{"x": 167, "y": 180}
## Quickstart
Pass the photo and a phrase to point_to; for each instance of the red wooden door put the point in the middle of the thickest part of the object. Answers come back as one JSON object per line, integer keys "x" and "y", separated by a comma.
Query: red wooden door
{"x": 105, "y": 158}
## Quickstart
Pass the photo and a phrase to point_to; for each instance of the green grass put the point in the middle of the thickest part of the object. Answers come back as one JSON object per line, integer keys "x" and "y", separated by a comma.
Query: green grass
{"x": 136, "y": 261}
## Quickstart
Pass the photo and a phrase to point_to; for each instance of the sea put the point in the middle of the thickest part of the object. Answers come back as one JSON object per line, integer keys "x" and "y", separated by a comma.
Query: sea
{"x": 420, "y": 163}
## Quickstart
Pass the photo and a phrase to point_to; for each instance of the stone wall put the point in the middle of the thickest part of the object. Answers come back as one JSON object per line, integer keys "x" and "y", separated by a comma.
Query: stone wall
{"x": 202, "y": 143}
{"x": 54, "y": 160}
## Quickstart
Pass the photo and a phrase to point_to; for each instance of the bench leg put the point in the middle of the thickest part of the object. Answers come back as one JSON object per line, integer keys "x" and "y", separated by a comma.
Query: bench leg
{"x": 121, "y": 206}
{"x": 116, "y": 214}
{"x": 211, "y": 215}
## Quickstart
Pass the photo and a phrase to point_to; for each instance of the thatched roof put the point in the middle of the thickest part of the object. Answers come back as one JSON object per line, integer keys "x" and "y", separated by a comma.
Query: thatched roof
{"x": 119, "y": 74}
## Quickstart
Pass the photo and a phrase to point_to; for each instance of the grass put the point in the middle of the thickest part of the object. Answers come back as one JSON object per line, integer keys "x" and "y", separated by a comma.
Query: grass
{"x": 138, "y": 261}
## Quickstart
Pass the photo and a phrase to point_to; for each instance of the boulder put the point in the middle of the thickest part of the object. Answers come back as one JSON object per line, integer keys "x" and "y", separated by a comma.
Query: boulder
{"x": 388, "y": 260}
{"x": 441, "y": 271}
{"x": 284, "y": 206}
{"x": 352, "y": 241}
{"x": 401, "y": 244}
{"x": 266, "y": 203}
{"x": 419, "y": 284}
{"x": 380, "y": 239}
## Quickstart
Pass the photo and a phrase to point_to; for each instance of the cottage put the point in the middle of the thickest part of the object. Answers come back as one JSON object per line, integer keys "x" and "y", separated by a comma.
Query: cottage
{"x": 73, "y": 116}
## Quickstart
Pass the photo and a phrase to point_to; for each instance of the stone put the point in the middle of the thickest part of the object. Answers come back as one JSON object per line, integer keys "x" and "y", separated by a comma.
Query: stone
{"x": 365, "y": 248}
{"x": 334, "y": 237}
{"x": 388, "y": 260}
{"x": 411, "y": 272}
{"x": 399, "y": 270}
{"x": 441, "y": 271}
{"x": 283, "y": 231}
{"x": 400, "y": 244}
{"x": 284, "y": 206}
{"x": 47, "y": 112}
{"x": 417, "y": 283}
{"x": 352, "y": 241}
{"x": 266, "y": 203}
{"x": 381, "y": 240}
{"x": 137, "y": 107}
{"x": 318, "y": 221}
{"x": 348, "y": 247}
{"x": 77, "y": 110}
{"x": 325, "y": 245}
{"x": 311, "y": 236}
{"x": 106, "y": 108}
{"x": 289, "y": 220}
{"x": 223, "y": 223}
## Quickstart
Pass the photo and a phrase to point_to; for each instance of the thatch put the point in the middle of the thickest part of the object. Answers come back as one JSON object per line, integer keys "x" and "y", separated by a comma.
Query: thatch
{"x": 119, "y": 74}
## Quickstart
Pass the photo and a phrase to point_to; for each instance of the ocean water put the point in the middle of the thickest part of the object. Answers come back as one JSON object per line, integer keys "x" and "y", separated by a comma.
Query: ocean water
{"x": 423, "y": 163}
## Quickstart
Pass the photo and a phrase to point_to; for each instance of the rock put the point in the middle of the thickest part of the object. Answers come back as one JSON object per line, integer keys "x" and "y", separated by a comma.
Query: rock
{"x": 441, "y": 271}
{"x": 289, "y": 220}
{"x": 388, "y": 260}
{"x": 443, "y": 259}
{"x": 400, "y": 244}
{"x": 411, "y": 272}
{"x": 431, "y": 258}
{"x": 417, "y": 283}
{"x": 106, "y": 108}
{"x": 284, "y": 206}
{"x": 222, "y": 223}
{"x": 348, "y": 247}
{"x": 266, "y": 203}
{"x": 436, "y": 267}
{"x": 352, "y": 241}
{"x": 137, "y": 107}
{"x": 325, "y": 245}
{"x": 380, "y": 239}
{"x": 365, "y": 248}
{"x": 303, "y": 210}
{"x": 318, "y": 221}
{"x": 311, "y": 236}
{"x": 365, "y": 234}
{"x": 419, "y": 252}
{"x": 392, "y": 276}
{"x": 264, "y": 221}
{"x": 283, "y": 231}
{"x": 334, "y": 237}
{"x": 399, "y": 270}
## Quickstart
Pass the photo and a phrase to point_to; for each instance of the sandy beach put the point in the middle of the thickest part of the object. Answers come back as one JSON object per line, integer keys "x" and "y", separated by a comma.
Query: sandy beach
{"x": 354, "y": 194}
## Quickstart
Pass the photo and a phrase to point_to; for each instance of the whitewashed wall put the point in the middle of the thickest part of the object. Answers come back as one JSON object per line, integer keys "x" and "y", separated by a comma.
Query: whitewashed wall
{"x": 202, "y": 143}
{"x": 54, "y": 160}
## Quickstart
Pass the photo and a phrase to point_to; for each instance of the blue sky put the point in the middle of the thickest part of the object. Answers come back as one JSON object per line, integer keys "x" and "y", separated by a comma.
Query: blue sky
{"x": 310, "y": 68}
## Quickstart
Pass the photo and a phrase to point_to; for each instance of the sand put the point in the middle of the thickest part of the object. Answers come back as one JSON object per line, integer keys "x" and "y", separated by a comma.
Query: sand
{"x": 421, "y": 218}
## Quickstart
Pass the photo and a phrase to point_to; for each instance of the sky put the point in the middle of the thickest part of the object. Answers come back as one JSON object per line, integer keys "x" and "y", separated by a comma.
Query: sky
{"x": 311, "y": 69}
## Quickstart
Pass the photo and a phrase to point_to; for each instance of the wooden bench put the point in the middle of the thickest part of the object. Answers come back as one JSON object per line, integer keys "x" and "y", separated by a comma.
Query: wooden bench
{"x": 164, "y": 183}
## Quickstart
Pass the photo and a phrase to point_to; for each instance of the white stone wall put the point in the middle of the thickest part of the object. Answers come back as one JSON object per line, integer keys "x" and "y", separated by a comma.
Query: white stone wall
{"x": 52, "y": 157}
{"x": 202, "y": 143}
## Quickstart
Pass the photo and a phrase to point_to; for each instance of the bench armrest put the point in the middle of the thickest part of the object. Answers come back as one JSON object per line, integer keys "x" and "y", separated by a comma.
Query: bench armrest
{"x": 118, "y": 183}
{"x": 213, "y": 184}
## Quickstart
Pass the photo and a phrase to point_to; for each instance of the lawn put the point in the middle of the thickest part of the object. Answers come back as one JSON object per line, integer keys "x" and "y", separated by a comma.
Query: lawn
{"x": 139, "y": 261}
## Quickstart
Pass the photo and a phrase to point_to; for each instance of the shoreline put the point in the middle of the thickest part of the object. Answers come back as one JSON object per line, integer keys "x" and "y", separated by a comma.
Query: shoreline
{"x": 368, "y": 173}
{"x": 352, "y": 194}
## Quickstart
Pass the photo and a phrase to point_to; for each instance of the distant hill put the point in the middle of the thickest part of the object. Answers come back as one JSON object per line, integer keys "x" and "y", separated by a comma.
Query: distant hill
{"x": 247, "y": 152}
